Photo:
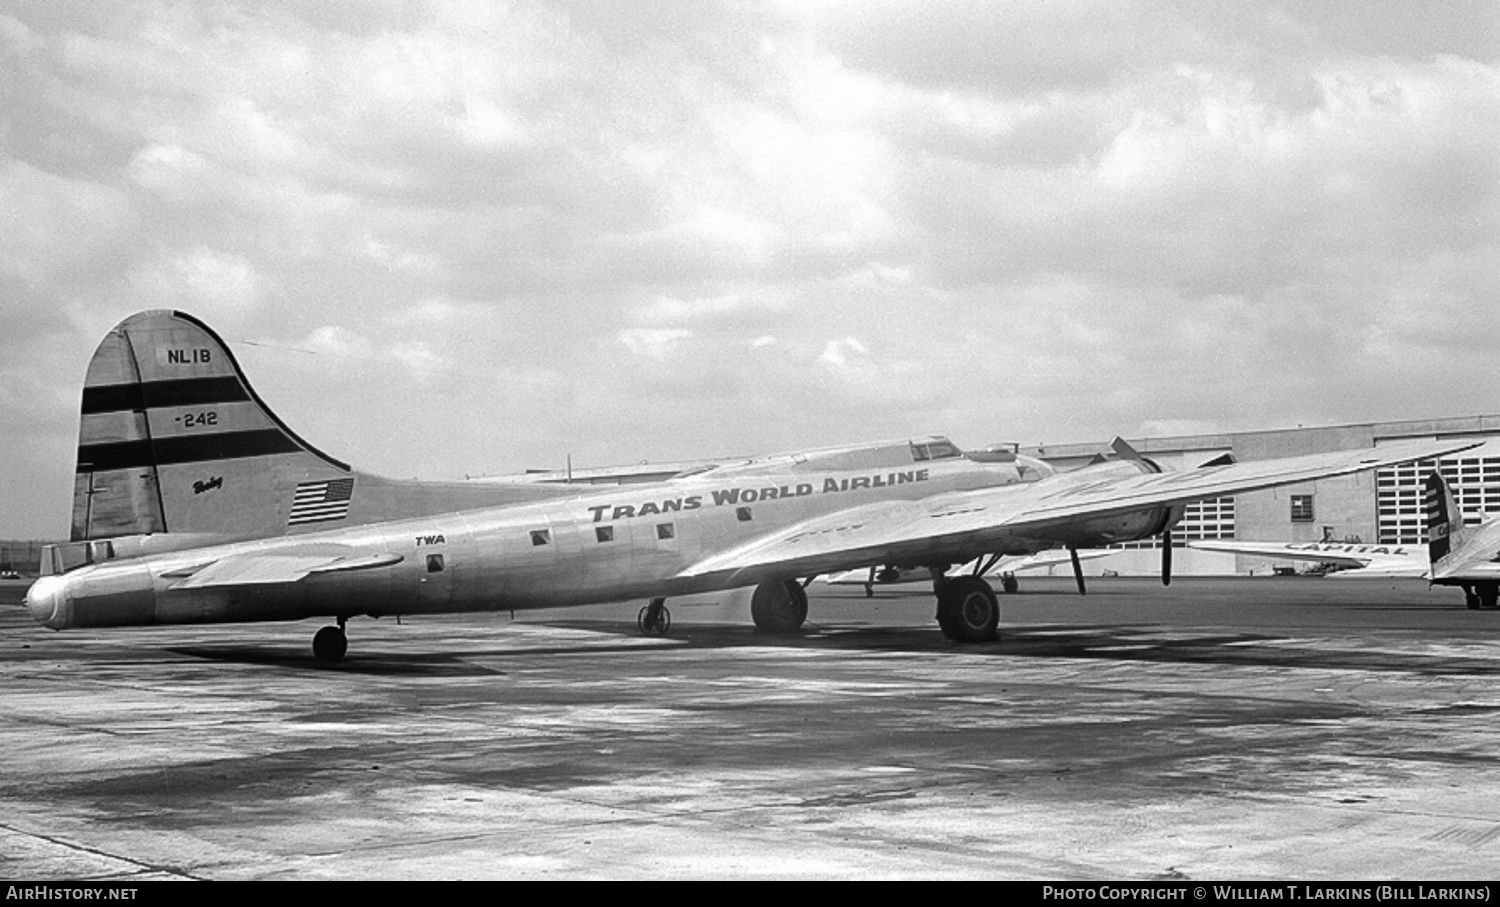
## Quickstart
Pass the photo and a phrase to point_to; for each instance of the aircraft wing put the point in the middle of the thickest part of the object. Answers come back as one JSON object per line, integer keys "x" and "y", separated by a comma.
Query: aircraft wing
{"x": 1281, "y": 550}
{"x": 1368, "y": 561}
{"x": 265, "y": 569}
{"x": 966, "y": 523}
{"x": 1396, "y": 557}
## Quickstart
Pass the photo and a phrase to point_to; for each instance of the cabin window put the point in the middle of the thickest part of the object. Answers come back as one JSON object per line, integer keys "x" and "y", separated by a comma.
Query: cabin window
{"x": 744, "y": 514}
{"x": 540, "y": 536}
{"x": 434, "y": 563}
{"x": 665, "y": 531}
{"x": 1302, "y": 508}
{"x": 604, "y": 533}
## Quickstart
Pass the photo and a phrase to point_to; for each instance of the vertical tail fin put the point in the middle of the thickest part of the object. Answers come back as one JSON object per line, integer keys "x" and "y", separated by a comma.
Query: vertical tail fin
{"x": 173, "y": 439}
{"x": 1445, "y": 521}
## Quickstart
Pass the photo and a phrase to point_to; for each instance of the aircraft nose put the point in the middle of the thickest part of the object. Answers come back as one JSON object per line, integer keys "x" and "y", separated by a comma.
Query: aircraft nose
{"x": 47, "y": 601}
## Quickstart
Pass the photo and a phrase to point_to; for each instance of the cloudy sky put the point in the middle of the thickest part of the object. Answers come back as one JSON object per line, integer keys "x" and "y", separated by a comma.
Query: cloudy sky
{"x": 465, "y": 238}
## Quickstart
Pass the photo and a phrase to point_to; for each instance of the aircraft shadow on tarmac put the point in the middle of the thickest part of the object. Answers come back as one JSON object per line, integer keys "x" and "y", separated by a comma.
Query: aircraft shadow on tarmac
{"x": 384, "y": 663}
{"x": 1105, "y": 643}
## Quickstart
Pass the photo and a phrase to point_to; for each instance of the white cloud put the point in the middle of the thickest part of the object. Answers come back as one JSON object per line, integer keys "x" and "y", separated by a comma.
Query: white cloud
{"x": 219, "y": 278}
{"x": 1022, "y": 220}
{"x": 338, "y": 342}
{"x": 654, "y": 343}
{"x": 420, "y": 359}
{"x": 840, "y": 355}
{"x": 672, "y": 309}
{"x": 407, "y": 262}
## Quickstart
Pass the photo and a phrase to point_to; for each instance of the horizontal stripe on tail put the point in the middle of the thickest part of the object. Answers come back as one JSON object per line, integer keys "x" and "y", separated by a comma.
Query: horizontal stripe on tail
{"x": 136, "y": 396}
{"x": 146, "y": 453}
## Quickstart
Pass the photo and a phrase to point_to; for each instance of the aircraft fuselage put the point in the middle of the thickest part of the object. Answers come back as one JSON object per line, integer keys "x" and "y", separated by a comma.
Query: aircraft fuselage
{"x": 626, "y": 542}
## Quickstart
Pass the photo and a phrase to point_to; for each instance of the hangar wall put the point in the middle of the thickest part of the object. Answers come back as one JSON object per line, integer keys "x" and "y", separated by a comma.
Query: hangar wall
{"x": 1373, "y": 508}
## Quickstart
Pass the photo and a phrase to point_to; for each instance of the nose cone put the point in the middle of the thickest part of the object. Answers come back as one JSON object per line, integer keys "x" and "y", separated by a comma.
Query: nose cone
{"x": 47, "y": 601}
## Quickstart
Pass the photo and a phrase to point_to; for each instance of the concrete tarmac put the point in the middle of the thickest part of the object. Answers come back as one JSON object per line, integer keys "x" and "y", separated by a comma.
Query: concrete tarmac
{"x": 1257, "y": 729}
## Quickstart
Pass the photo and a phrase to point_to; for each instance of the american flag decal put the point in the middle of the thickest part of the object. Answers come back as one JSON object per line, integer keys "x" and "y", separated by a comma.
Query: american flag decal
{"x": 317, "y": 502}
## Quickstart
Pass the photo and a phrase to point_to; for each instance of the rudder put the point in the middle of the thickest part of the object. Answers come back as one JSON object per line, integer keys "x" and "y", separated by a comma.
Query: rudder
{"x": 1445, "y": 521}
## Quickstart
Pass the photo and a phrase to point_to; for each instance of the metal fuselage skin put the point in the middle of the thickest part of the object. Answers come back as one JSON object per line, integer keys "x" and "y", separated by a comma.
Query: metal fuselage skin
{"x": 1481, "y": 545}
{"x": 626, "y": 542}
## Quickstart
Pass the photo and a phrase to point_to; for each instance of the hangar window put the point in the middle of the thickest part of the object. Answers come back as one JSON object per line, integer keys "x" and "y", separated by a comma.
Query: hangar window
{"x": 665, "y": 531}
{"x": 1302, "y": 508}
{"x": 540, "y": 536}
{"x": 1401, "y": 494}
{"x": 604, "y": 533}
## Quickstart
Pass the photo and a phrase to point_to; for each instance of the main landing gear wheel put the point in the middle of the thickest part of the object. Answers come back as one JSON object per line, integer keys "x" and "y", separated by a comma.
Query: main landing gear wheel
{"x": 330, "y": 643}
{"x": 654, "y": 619}
{"x": 779, "y": 607}
{"x": 968, "y": 610}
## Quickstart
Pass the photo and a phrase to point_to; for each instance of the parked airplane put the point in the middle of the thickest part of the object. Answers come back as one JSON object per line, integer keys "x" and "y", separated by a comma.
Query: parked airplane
{"x": 194, "y": 504}
{"x": 1003, "y": 568}
{"x": 1461, "y": 555}
{"x": 1365, "y": 561}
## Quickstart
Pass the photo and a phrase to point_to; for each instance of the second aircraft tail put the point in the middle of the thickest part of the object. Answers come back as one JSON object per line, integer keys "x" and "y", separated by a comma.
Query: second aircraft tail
{"x": 1445, "y": 521}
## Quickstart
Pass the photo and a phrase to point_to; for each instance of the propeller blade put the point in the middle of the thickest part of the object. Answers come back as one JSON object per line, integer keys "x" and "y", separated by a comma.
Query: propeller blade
{"x": 1166, "y": 557}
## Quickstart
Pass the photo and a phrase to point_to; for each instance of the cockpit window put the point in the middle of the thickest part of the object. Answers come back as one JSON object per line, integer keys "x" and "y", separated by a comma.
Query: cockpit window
{"x": 941, "y": 449}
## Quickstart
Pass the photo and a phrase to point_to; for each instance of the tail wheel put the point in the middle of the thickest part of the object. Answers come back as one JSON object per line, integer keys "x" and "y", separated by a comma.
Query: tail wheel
{"x": 968, "y": 610}
{"x": 654, "y": 624}
{"x": 779, "y": 607}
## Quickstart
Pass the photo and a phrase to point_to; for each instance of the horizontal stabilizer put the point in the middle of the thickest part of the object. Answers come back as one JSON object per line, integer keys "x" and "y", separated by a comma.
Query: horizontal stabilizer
{"x": 1383, "y": 572}
{"x": 267, "y": 569}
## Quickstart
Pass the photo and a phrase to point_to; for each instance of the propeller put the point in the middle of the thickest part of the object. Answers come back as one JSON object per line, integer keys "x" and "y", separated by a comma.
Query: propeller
{"x": 1166, "y": 557}
{"x": 1077, "y": 570}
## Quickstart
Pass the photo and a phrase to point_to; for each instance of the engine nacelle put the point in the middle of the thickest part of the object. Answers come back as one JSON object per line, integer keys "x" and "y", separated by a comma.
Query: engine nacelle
{"x": 1130, "y": 526}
